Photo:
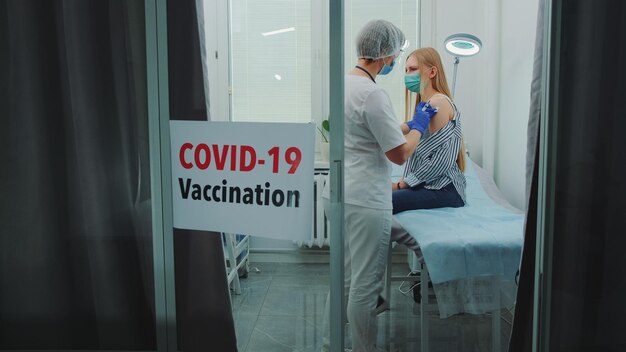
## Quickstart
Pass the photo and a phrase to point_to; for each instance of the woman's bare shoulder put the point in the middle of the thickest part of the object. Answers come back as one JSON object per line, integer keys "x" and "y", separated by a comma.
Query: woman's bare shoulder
{"x": 440, "y": 101}
{"x": 444, "y": 114}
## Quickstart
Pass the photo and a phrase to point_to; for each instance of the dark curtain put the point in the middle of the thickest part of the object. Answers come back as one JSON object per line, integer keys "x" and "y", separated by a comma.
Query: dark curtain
{"x": 588, "y": 310}
{"x": 587, "y": 307}
{"x": 203, "y": 310}
{"x": 75, "y": 225}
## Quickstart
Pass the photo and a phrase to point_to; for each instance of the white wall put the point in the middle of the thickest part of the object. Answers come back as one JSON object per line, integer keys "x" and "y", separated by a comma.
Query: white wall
{"x": 517, "y": 48}
{"x": 493, "y": 87}
{"x": 441, "y": 18}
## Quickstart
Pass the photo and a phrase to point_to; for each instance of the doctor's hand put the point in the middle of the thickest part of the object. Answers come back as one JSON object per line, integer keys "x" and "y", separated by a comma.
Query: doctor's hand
{"x": 423, "y": 113}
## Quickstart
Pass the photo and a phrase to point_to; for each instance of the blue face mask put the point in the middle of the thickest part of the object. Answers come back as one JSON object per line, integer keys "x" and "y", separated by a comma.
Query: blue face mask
{"x": 387, "y": 68}
{"x": 413, "y": 83}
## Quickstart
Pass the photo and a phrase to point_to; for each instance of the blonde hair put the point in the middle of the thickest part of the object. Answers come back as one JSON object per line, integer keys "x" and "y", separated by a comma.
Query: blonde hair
{"x": 427, "y": 58}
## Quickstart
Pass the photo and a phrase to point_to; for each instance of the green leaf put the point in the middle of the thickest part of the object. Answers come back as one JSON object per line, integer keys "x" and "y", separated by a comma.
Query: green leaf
{"x": 326, "y": 125}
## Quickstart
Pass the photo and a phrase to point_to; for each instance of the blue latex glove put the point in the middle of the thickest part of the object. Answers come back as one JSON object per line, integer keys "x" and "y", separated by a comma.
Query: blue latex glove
{"x": 423, "y": 113}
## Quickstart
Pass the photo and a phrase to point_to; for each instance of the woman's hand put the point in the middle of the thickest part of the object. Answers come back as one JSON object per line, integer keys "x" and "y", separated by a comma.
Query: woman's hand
{"x": 399, "y": 185}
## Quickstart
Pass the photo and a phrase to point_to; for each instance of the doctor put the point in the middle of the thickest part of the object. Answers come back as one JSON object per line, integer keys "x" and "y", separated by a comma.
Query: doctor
{"x": 373, "y": 137}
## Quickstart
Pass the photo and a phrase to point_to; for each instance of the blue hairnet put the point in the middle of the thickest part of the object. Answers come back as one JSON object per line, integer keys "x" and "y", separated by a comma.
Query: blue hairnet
{"x": 378, "y": 39}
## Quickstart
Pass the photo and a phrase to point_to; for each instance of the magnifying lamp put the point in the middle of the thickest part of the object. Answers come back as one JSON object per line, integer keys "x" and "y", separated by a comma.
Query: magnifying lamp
{"x": 461, "y": 45}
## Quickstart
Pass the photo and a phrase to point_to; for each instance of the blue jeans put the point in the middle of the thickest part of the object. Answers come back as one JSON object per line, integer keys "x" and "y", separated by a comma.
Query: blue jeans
{"x": 419, "y": 197}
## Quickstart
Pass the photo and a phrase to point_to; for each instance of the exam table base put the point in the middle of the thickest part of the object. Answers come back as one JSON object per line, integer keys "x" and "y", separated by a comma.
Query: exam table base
{"x": 426, "y": 307}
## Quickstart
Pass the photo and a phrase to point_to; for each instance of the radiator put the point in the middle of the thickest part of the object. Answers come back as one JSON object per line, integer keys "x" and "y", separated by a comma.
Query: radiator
{"x": 319, "y": 231}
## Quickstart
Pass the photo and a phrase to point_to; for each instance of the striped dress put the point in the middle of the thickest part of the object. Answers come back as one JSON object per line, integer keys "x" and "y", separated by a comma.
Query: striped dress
{"x": 433, "y": 164}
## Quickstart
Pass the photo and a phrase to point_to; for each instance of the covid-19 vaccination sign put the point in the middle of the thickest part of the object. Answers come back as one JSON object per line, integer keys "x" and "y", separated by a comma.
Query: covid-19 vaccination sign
{"x": 246, "y": 178}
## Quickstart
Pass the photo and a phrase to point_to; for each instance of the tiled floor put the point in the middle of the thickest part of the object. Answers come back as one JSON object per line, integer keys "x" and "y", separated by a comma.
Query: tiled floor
{"x": 281, "y": 309}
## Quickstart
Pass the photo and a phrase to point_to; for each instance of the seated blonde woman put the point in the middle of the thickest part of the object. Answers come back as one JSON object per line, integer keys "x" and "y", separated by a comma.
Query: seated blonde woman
{"x": 433, "y": 176}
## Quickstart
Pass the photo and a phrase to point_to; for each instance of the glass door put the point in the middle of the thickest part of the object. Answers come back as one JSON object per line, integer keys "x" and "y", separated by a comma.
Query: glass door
{"x": 286, "y": 63}
{"x": 277, "y": 62}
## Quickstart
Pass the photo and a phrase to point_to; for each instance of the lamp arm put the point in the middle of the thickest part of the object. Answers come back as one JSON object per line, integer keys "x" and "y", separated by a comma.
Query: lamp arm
{"x": 456, "y": 65}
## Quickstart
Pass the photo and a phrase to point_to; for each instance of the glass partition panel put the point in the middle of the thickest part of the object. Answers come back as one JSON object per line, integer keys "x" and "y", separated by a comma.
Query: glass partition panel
{"x": 279, "y": 70}
{"x": 278, "y": 54}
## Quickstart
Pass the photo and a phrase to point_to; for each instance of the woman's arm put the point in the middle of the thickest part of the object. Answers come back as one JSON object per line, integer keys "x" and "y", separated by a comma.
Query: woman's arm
{"x": 444, "y": 115}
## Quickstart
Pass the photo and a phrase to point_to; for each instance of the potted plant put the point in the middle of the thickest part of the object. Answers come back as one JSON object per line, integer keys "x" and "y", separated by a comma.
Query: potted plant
{"x": 324, "y": 143}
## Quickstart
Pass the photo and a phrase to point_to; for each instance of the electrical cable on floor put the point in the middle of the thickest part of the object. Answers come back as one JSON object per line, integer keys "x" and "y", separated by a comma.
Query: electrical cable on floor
{"x": 411, "y": 273}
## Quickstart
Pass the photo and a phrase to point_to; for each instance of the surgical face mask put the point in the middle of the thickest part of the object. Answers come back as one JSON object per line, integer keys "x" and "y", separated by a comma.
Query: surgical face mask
{"x": 413, "y": 82}
{"x": 387, "y": 68}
